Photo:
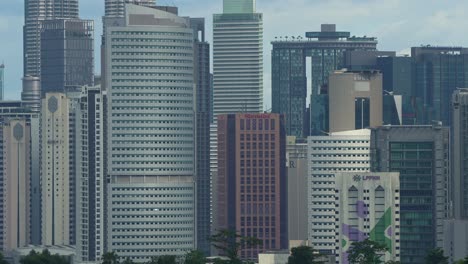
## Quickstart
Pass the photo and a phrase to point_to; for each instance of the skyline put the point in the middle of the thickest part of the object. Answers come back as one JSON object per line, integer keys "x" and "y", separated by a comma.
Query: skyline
{"x": 400, "y": 25}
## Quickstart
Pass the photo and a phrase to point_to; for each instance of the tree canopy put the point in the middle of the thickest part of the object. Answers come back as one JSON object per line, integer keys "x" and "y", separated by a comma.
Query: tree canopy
{"x": 436, "y": 256}
{"x": 366, "y": 252}
{"x": 303, "y": 255}
{"x": 43, "y": 258}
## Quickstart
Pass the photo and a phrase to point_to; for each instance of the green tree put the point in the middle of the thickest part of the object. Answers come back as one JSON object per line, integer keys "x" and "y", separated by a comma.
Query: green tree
{"x": 2, "y": 259}
{"x": 43, "y": 258}
{"x": 194, "y": 257}
{"x": 365, "y": 252}
{"x": 166, "y": 259}
{"x": 128, "y": 261}
{"x": 436, "y": 256}
{"x": 110, "y": 258}
{"x": 462, "y": 261}
{"x": 303, "y": 255}
{"x": 230, "y": 244}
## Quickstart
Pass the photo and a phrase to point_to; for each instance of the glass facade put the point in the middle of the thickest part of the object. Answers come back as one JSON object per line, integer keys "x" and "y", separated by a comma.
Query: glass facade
{"x": 414, "y": 161}
{"x": 438, "y": 73}
{"x": 326, "y": 51}
{"x": 67, "y": 55}
{"x": 238, "y": 6}
{"x": 2, "y": 82}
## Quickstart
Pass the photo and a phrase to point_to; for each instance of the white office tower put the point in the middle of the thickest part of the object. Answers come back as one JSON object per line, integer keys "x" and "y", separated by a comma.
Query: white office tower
{"x": 116, "y": 8}
{"x": 238, "y": 58}
{"x": 347, "y": 151}
{"x": 55, "y": 172}
{"x": 150, "y": 124}
{"x": 90, "y": 175}
{"x": 15, "y": 178}
{"x": 367, "y": 207}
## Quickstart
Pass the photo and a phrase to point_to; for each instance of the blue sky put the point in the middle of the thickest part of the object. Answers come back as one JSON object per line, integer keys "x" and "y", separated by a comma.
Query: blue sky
{"x": 398, "y": 25}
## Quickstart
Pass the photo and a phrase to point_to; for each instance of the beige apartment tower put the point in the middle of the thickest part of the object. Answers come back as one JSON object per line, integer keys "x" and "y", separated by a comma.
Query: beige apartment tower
{"x": 16, "y": 135}
{"x": 356, "y": 100}
{"x": 55, "y": 179}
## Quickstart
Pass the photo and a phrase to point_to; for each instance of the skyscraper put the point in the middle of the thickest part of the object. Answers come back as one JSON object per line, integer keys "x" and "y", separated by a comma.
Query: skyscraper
{"x": 459, "y": 186}
{"x": 55, "y": 169}
{"x": 2, "y": 81}
{"x": 204, "y": 112}
{"x": 150, "y": 134}
{"x": 438, "y": 72}
{"x": 90, "y": 180}
{"x": 15, "y": 175}
{"x": 67, "y": 55}
{"x": 355, "y": 100}
{"x": 252, "y": 181}
{"x": 238, "y": 58}
{"x": 36, "y": 11}
{"x": 347, "y": 151}
{"x": 421, "y": 155}
{"x": 116, "y": 8}
{"x": 293, "y": 58}
{"x": 367, "y": 207}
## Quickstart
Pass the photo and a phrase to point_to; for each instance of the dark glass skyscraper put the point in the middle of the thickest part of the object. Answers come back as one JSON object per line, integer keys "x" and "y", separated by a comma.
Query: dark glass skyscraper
{"x": 325, "y": 50}
{"x": 67, "y": 54}
{"x": 439, "y": 71}
{"x": 204, "y": 111}
{"x": 36, "y": 12}
{"x": 420, "y": 154}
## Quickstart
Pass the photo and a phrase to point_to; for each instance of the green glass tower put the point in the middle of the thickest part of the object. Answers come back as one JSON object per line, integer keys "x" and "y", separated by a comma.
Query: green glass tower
{"x": 420, "y": 154}
{"x": 238, "y": 6}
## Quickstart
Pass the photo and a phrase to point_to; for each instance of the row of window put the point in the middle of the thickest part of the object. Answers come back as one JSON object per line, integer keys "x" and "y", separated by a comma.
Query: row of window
{"x": 163, "y": 40}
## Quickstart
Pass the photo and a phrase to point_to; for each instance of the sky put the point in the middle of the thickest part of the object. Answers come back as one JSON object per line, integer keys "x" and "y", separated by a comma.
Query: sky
{"x": 398, "y": 25}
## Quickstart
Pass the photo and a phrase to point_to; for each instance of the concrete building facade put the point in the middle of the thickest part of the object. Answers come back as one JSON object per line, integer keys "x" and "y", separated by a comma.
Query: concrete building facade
{"x": 55, "y": 170}
{"x": 296, "y": 163}
{"x": 421, "y": 155}
{"x": 150, "y": 134}
{"x": 252, "y": 182}
{"x": 238, "y": 58}
{"x": 339, "y": 152}
{"x": 367, "y": 207}
{"x": 355, "y": 100}
{"x": 15, "y": 202}
{"x": 90, "y": 181}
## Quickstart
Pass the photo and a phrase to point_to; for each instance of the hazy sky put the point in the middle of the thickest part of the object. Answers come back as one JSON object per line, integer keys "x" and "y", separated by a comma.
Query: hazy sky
{"x": 398, "y": 25}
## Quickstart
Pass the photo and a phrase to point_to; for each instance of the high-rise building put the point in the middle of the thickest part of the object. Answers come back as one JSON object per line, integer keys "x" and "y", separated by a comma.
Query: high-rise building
{"x": 31, "y": 94}
{"x": 438, "y": 72}
{"x": 293, "y": 58}
{"x": 90, "y": 180}
{"x": 252, "y": 181}
{"x": 355, "y": 100}
{"x": 238, "y": 58}
{"x": 421, "y": 155}
{"x": 116, "y": 8}
{"x": 55, "y": 170}
{"x": 339, "y": 152}
{"x": 2, "y": 81}
{"x": 150, "y": 134}
{"x": 296, "y": 163}
{"x": 15, "y": 175}
{"x": 367, "y": 207}
{"x": 19, "y": 111}
{"x": 459, "y": 186}
{"x": 67, "y": 55}
{"x": 36, "y": 12}
{"x": 204, "y": 110}
{"x": 397, "y": 80}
